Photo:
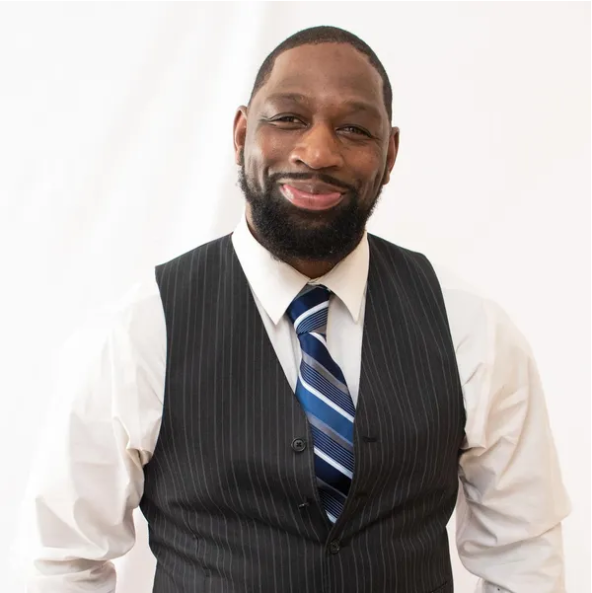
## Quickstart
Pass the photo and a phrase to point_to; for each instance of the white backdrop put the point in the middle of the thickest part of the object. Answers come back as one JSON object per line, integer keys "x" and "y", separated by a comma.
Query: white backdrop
{"x": 116, "y": 154}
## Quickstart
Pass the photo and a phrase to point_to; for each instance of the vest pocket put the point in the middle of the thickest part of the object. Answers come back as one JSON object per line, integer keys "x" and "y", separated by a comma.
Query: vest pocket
{"x": 441, "y": 588}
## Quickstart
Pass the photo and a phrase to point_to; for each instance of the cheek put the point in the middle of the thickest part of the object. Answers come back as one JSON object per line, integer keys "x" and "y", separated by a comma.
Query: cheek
{"x": 368, "y": 168}
{"x": 267, "y": 146}
{"x": 262, "y": 153}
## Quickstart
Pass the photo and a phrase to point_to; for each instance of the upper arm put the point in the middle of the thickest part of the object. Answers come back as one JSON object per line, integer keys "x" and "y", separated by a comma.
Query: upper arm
{"x": 514, "y": 499}
{"x": 101, "y": 429}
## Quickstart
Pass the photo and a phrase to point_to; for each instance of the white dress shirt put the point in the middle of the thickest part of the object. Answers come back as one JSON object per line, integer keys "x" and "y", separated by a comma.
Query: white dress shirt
{"x": 89, "y": 478}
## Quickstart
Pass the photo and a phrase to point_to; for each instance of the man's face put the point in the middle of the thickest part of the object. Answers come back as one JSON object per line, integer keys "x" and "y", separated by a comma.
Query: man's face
{"x": 315, "y": 148}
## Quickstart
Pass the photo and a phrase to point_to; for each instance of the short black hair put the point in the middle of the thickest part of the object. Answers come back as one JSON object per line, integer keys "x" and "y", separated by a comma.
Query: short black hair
{"x": 324, "y": 34}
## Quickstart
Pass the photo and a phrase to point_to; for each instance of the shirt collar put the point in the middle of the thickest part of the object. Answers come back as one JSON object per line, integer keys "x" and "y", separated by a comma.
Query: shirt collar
{"x": 276, "y": 284}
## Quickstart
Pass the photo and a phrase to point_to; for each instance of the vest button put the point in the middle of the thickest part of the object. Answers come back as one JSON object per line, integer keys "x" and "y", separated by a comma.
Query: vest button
{"x": 334, "y": 547}
{"x": 369, "y": 439}
{"x": 298, "y": 445}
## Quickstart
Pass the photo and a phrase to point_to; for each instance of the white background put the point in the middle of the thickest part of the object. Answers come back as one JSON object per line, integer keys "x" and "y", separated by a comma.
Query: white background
{"x": 116, "y": 154}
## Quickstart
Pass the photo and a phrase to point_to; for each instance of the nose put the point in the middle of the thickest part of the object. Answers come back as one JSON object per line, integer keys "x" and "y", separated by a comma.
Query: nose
{"x": 317, "y": 148}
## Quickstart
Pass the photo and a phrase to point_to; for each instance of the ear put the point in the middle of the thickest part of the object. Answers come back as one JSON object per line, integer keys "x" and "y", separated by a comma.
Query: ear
{"x": 391, "y": 156}
{"x": 240, "y": 132}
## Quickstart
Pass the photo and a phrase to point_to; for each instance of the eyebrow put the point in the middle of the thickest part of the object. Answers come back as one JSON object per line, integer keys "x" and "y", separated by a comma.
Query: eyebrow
{"x": 354, "y": 105}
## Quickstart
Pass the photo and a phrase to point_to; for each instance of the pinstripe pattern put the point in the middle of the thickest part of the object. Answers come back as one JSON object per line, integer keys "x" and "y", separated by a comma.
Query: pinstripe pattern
{"x": 224, "y": 490}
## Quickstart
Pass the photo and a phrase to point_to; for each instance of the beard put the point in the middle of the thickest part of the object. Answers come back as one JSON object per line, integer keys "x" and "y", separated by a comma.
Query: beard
{"x": 290, "y": 233}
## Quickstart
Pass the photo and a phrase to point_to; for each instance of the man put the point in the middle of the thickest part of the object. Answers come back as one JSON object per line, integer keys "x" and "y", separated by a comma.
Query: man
{"x": 292, "y": 406}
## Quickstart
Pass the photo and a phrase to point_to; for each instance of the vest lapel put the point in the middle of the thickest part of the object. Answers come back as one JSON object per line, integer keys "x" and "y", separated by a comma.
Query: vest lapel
{"x": 258, "y": 335}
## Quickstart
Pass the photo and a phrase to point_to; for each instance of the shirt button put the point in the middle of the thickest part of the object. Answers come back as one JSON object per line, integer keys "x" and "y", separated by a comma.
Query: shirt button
{"x": 334, "y": 547}
{"x": 298, "y": 445}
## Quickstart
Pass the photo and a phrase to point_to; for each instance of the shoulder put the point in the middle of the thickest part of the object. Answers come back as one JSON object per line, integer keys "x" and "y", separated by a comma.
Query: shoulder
{"x": 207, "y": 252}
{"x": 484, "y": 335}
{"x": 380, "y": 245}
{"x": 130, "y": 324}
{"x": 470, "y": 312}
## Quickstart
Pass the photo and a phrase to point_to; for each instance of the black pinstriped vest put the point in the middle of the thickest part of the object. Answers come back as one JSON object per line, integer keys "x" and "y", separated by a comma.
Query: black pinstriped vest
{"x": 230, "y": 493}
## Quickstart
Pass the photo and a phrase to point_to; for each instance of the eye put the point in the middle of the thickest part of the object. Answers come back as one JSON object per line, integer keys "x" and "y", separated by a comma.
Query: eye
{"x": 356, "y": 130}
{"x": 286, "y": 119}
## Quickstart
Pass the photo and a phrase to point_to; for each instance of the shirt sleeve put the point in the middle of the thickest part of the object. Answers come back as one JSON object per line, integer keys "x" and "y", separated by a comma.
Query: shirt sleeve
{"x": 512, "y": 500}
{"x": 102, "y": 428}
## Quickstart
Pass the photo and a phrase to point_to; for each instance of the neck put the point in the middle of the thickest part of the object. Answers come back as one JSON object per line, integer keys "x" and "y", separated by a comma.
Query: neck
{"x": 312, "y": 269}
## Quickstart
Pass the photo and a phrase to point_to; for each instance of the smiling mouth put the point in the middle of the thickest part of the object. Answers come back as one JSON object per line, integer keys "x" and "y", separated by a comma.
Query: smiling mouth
{"x": 310, "y": 201}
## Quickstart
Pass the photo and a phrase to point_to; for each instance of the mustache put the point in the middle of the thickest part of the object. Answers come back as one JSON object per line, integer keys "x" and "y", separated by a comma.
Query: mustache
{"x": 275, "y": 177}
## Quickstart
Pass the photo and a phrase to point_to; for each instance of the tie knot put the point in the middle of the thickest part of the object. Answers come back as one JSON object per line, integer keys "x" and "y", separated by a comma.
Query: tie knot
{"x": 308, "y": 311}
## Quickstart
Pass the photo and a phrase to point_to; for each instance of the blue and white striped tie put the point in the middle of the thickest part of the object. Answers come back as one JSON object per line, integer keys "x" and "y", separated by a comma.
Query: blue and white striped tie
{"x": 322, "y": 391}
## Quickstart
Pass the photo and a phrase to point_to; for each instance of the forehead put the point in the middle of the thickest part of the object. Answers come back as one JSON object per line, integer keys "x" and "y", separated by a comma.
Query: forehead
{"x": 326, "y": 70}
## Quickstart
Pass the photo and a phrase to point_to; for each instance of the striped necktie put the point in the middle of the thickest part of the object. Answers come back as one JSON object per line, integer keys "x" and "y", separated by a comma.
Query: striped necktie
{"x": 322, "y": 391}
